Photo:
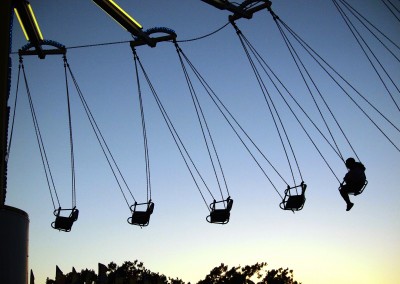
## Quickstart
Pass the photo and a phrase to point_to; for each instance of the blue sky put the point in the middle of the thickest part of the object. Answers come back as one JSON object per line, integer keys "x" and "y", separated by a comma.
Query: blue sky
{"x": 322, "y": 240}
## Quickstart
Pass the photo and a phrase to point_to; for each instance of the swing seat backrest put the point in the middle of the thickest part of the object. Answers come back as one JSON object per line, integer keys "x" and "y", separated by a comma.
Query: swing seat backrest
{"x": 74, "y": 215}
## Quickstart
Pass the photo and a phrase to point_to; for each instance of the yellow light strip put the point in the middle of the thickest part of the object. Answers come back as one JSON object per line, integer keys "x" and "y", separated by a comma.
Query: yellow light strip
{"x": 20, "y": 23}
{"x": 35, "y": 22}
{"x": 117, "y": 22}
{"x": 125, "y": 13}
{"x": 110, "y": 16}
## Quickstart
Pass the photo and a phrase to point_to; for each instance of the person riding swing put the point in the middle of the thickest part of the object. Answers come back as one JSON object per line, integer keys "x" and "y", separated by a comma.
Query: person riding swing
{"x": 353, "y": 182}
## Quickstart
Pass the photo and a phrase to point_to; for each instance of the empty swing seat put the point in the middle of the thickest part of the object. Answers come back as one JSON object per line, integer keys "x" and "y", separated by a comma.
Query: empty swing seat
{"x": 220, "y": 216}
{"x": 294, "y": 201}
{"x": 64, "y": 223}
{"x": 141, "y": 218}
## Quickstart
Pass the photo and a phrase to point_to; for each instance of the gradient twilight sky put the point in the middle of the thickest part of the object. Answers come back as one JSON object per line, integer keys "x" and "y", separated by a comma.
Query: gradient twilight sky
{"x": 322, "y": 243}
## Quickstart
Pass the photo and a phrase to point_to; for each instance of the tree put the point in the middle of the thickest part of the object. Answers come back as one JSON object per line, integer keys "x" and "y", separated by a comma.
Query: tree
{"x": 279, "y": 276}
{"x": 50, "y": 281}
{"x": 248, "y": 274}
{"x": 135, "y": 272}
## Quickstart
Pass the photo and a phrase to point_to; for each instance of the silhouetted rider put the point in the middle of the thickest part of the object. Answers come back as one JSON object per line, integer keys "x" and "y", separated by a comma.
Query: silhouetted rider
{"x": 354, "y": 181}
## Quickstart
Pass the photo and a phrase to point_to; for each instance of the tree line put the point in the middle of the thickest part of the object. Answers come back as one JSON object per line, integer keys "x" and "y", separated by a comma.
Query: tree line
{"x": 136, "y": 273}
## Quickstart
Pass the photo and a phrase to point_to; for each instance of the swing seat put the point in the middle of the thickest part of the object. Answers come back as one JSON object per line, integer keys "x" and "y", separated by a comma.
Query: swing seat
{"x": 294, "y": 202}
{"x": 220, "y": 216}
{"x": 141, "y": 218}
{"x": 64, "y": 223}
{"x": 357, "y": 189}
{"x": 357, "y": 192}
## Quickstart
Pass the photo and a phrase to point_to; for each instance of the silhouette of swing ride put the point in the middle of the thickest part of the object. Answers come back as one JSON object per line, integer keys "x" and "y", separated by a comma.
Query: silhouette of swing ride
{"x": 220, "y": 208}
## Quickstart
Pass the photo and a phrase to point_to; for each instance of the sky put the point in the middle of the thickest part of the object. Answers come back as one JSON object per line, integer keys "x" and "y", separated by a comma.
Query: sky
{"x": 322, "y": 243}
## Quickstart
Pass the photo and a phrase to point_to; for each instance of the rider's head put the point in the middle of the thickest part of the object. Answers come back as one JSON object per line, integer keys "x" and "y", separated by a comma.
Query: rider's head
{"x": 350, "y": 162}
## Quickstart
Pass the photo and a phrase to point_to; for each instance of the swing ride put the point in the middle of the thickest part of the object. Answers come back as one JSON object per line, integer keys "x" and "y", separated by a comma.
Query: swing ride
{"x": 220, "y": 216}
{"x": 293, "y": 197}
{"x": 62, "y": 223}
